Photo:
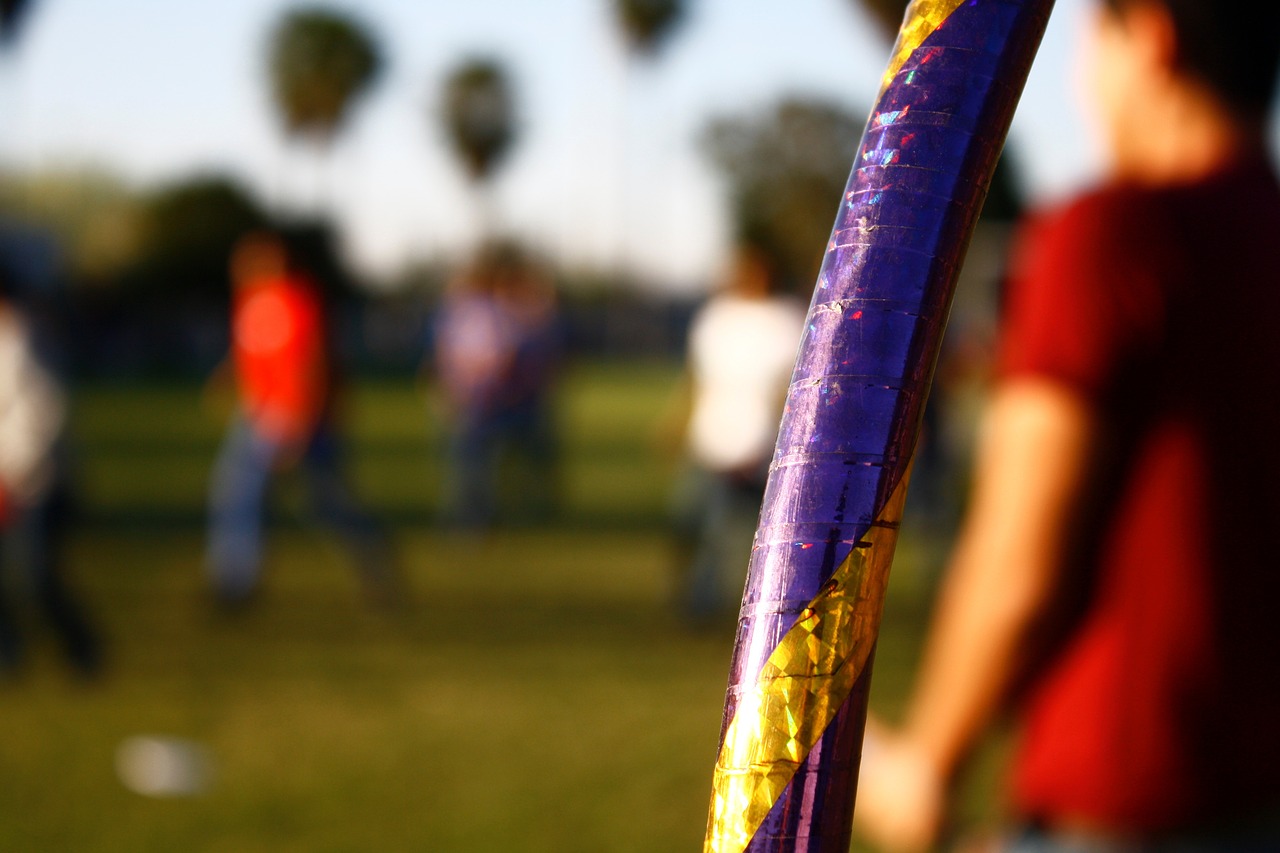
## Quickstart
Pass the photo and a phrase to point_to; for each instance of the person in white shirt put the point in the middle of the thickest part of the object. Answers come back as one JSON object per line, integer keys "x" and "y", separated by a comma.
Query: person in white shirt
{"x": 742, "y": 350}
{"x": 32, "y": 416}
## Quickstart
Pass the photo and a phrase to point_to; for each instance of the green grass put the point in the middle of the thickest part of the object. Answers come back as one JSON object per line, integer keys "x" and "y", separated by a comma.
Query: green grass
{"x": 145, "y": 453}
{"x": 536, "y": 695}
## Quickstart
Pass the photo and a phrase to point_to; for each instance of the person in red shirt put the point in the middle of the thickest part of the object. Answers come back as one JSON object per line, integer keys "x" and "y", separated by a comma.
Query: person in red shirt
{"x": 284, "y": 377}
{"x": 1114, "y": 582}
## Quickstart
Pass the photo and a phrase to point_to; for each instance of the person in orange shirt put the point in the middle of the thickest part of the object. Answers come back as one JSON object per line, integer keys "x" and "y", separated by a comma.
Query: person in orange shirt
{"x": 284, "y": 377}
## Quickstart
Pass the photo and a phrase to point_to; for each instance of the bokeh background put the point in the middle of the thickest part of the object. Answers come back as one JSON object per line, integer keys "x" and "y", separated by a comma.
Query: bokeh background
{"x": 537, "y": 691}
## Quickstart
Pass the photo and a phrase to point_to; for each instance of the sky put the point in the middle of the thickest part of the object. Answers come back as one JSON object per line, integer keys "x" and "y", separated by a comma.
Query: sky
{"x": 607, "y": 169}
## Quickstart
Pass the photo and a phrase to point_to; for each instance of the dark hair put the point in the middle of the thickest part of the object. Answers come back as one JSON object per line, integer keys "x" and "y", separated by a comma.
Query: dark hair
{"x": 760, "y": 239}
{"x": 1236, "y": 53}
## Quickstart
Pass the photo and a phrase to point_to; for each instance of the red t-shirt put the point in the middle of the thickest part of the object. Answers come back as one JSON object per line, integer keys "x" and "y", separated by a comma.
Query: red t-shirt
{"x": 278, "y": 350}
{"x": 1160, "y": 707}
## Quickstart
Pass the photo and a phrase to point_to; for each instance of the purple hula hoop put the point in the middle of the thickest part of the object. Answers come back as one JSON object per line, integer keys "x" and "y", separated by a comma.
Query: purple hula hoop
{"x": 797, "y": 696}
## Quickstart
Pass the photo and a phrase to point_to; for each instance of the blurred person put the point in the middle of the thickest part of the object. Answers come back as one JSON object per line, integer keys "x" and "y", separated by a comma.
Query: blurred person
{"x": 284, "y": 372}
{"x": 1115, "y": 581}
{"x": 33, "y": 494}
{"x": 497, "y": 353}
{"x": 741, "y": 352}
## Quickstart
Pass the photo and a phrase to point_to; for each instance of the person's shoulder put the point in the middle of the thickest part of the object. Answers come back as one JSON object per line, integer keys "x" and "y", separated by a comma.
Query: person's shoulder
{"x": 1094, "y": 230}
{"x": 716, "y": 306}
{"x": 789, "y": 309}
{"x": 1106, "y": 209}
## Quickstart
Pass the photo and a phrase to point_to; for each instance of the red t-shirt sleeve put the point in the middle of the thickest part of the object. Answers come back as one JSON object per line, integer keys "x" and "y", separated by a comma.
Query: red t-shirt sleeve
{"x": 1081, "y": 304}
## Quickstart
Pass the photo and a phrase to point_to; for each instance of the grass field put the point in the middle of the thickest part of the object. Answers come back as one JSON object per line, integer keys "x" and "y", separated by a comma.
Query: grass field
{"x": 536, "y": 695}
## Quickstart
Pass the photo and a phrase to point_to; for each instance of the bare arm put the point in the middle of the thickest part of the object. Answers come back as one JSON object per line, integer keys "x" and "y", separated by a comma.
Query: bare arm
{"x": 1004, "y": 569}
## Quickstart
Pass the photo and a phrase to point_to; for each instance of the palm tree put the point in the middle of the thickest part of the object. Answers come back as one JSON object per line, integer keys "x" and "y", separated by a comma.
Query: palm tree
{"x": 479, "y": 115}
{"x": 11, "y": 12}
{"x": 480, "y": 122}
{"x": 320, "y": 61}
{"x": 646, "y": 27}
{"x": 647, "y": 24}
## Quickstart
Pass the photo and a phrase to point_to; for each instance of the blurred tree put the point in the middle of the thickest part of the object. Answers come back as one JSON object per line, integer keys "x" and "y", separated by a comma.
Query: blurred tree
{"x": 647, "y": 24}
{"x": 96, "y": 218}
{"x": 786, "y": 168}
{"x": 189, "y": 230}
{"x": 320, "y": 61}
{"x": 479, "y": 115}
{"x": 11, "y": 13}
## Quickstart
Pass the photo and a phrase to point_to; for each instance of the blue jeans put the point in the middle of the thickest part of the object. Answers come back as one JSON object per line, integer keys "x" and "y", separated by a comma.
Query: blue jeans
{"x": 477, "y": 445}
{"x": 238, "y": 492}
{"x": 715, "y": 520}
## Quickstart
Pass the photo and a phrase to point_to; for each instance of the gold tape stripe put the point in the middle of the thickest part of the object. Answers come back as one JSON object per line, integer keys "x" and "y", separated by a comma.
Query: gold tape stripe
{"x": 922, "y": 18}
{"x": 801, "y": 687}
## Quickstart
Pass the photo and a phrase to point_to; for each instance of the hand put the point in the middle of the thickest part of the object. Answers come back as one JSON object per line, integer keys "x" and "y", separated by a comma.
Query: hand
{"x": 902, "y": 798}
{"x": 289, "y": 435}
